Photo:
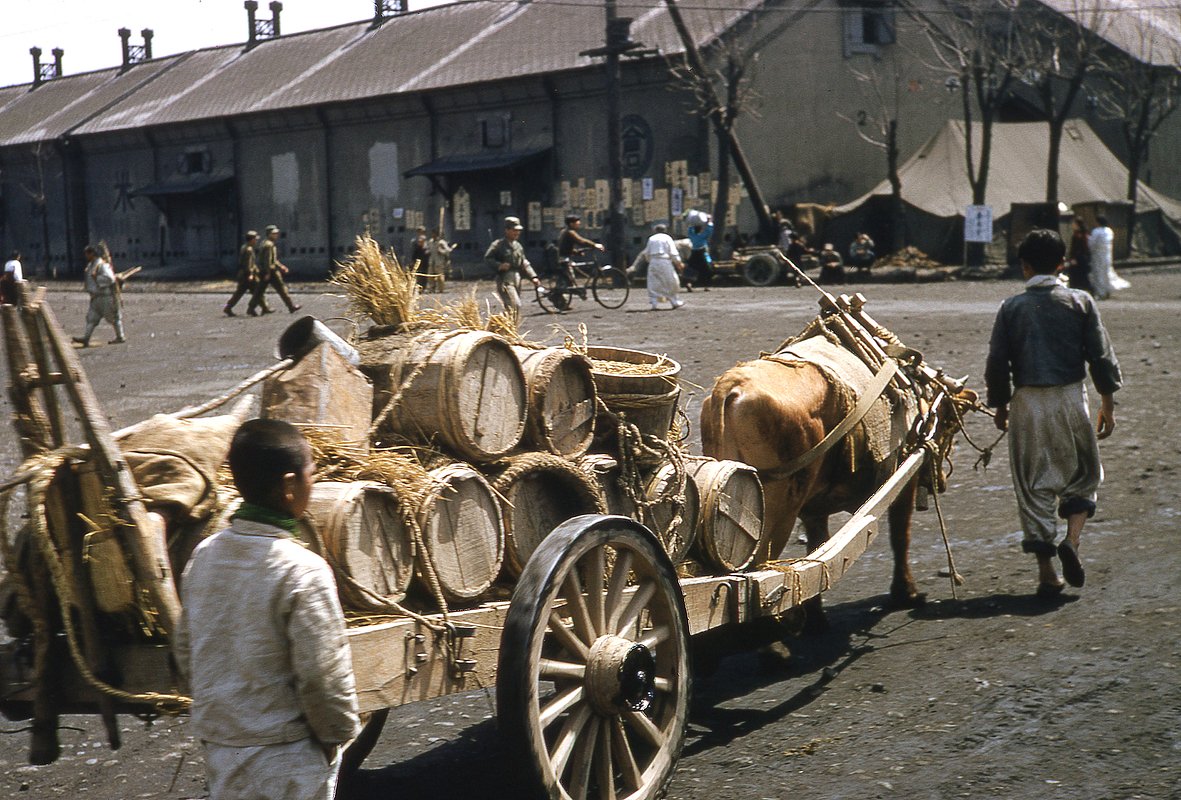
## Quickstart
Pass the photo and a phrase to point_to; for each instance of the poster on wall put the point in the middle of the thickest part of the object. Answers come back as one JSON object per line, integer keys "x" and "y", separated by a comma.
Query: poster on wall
{"x": 627, "y": 193}
{"x": 647, "y": 187}
{"x": 506, "y": 198}
{"x": 602, "y": 195}
{"x": 534, "y": 217}
{"x": 564, "y": 194}
{"x": 461, "y": 209}
{"x": 660, "y": 205}
{"x": 677, "y": 201}
{"x": 691, "y": 187}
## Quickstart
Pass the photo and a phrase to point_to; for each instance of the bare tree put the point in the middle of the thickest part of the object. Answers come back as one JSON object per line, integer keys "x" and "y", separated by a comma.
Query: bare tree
{"x": 972, "y": 45}
{"x": 1056, "y": 51}
{"x": 38, "y": 193}
{"x": 720, "y": 83}
{"x": 878, "y": 126}
{"x": 1141, "y": 88}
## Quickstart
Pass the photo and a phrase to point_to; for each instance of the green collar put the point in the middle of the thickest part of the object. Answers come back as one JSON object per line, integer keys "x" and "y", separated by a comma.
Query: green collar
{"x": 267, "y": 516}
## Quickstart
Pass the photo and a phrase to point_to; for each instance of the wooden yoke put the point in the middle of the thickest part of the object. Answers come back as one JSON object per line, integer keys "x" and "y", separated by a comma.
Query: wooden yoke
{"x": 145, "y": 541}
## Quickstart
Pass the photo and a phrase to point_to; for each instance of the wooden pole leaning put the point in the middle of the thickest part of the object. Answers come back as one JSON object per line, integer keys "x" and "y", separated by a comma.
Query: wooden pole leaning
{"x": 148, "y": 552}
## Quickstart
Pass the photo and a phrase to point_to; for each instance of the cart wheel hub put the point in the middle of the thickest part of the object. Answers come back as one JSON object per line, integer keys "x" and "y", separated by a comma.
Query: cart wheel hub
{"x": 620, "y": 675}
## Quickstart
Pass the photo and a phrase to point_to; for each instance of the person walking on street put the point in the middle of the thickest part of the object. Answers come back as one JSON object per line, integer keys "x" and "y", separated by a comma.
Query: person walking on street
{"x": 506, "y": 255}
{"x": 440, "y": 263}
{"x": 261, "y": 637}
{"x": 105, "y": 303}
{"x": 247, "y": 272}
{"x": 699, "y": 270}
{"x": 10, "y": 281}
{"x": 420, "y": 258}
{"x": 270, "y": 273}
{"x": 1043, "y": 342}
{"x": 1103, "y": 275}
{"x": 1078, "y": 258}
{"x": 664, "y": 266}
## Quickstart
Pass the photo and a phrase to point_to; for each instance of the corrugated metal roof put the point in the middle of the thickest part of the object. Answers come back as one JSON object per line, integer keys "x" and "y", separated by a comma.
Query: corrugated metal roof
{"x": 452, "y": 45}
{"x": 1147, "y": 30}
{"x": 57, "y": 106}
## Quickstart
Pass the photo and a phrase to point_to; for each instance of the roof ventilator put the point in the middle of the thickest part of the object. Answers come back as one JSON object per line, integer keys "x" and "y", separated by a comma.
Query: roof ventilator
{"x": 46, "y": 72}
{"x": 386, "y": 9}
{"x": 136, "y": 53}
{"x": 260, "y": 29}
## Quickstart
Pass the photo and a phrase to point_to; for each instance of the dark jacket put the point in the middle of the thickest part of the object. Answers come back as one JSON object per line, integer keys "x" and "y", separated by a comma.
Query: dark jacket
{"x": 1048, "y": 336}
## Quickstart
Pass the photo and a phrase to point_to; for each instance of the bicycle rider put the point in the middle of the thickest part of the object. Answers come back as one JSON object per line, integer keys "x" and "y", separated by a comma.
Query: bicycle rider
{"x": 570, "y": 244}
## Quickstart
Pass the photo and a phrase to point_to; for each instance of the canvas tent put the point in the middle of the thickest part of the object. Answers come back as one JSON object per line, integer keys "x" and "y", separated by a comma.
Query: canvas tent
{"x": 935, "y": 188}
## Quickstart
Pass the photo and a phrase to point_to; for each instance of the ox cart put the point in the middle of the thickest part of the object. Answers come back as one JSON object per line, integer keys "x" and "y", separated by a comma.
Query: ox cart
{"x": 590, "y": 656}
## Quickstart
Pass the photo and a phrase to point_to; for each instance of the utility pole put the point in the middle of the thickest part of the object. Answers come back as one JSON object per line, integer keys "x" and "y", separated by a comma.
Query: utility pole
{"x": 618, "y": 43}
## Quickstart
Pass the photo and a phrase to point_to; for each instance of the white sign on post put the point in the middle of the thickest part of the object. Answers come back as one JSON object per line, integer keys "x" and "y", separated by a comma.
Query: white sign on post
{"x": 978, "y": 224}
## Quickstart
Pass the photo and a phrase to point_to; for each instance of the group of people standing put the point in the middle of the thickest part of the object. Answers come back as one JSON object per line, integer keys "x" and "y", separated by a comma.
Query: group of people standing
{"x": 1090, "y": 263}
{"x": 259, "y": 268}
{"x": 430, "y": 258}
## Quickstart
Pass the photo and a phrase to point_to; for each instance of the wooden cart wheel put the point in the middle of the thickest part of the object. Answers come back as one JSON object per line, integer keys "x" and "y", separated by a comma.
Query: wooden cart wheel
{"x": 359, "y": 748}
{"x": 761, "y": 270}
{"x": 593, "y": 678}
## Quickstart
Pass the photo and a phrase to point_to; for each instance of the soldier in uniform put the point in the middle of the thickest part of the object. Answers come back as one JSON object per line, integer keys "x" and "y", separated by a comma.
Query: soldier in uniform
{"x": 247, "y": 272}
{"x": 270, "y": 273}
{"x": 507, "y": 257}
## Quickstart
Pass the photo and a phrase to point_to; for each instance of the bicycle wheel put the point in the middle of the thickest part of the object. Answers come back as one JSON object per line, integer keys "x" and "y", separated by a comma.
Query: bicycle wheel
{"x": 553, "y": 295}
{"x": 610, "y": 287}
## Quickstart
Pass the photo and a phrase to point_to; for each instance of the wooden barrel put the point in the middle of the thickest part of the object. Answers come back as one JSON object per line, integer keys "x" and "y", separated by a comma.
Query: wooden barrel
{"x": 646, "y": 396}
{"x": 731, "y": 521}
{"x": 605, "y": 471}
{"x": 364, "y": 534}
{"x": 462, "y": 534}
{"x": 662, "y": 487}
{"x": 541, "y": 491}
{"x": 561, "y": 404}
{"x": 464, "y": 390}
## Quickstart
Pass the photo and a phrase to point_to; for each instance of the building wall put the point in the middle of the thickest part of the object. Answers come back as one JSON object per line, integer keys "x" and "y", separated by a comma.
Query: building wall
{"x": 28, "y": 174}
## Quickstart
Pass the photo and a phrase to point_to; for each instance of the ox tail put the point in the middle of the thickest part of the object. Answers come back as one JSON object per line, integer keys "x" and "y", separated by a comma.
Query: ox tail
{"x": 715, "y": 442}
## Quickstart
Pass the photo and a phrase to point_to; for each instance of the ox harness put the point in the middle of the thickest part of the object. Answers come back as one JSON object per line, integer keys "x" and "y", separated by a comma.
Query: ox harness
{"x": 870, "y": 396}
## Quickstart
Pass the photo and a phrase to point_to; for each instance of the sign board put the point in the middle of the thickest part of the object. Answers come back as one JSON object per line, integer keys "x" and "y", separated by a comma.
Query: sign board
{"x": 978, "y": 224}
{"x": 678, "y": 202}
{"x": 647, "y": 187}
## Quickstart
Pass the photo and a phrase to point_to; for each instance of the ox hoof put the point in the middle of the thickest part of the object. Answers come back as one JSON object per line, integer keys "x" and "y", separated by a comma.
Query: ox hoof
{"x": 907, "y": 597}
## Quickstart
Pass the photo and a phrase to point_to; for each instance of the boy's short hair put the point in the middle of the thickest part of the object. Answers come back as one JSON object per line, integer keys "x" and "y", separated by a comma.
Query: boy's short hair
{"x": 262, "y": 452}
{"x": 1042, "y": 250}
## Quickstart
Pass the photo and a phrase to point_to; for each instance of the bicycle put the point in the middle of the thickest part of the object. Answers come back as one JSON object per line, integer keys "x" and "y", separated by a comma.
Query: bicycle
{"x": 608, "y": 285}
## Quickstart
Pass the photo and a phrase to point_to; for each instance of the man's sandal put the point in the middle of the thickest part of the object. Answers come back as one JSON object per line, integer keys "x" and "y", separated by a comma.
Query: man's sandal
{"x": 1072, "y": 567}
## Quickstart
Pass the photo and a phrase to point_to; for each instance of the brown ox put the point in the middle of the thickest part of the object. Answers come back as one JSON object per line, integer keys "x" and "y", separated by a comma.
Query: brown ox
{"x": 767, "y": 413}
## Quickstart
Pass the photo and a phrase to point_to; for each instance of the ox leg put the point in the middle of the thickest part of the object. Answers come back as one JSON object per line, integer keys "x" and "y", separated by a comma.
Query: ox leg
{"x": 816, "y": 531}
{"x": 903, "y": 592}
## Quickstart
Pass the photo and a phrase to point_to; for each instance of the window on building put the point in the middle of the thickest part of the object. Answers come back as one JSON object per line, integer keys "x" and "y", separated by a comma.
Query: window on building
{"x": 494, "y": 131}
{"x": 868, "y": 28}
{"x": 194, "y": 162}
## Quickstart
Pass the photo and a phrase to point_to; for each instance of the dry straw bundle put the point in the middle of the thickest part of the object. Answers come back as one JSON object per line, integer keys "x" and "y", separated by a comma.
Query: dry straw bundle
{"x": 397, "y": 468}
{"x": 661, "y": 366}
{"x": 377, "y": 285}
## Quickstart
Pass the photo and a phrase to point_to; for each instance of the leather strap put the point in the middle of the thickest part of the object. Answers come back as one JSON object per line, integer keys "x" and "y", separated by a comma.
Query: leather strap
{"x": 864, "y": 404}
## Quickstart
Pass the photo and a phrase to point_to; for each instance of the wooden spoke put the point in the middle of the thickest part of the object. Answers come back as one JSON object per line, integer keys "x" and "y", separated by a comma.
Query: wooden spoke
{"x": 612, "y": 603}
{"x": 584, "y": 759}
{"x": 645, "y": 727}
{"x": 631, "y": 612}
{"x": 662, "y": 684}
{"x": 566, "y": 637}
{"x": 552, "y": 668}
{"x": 562, "y": 702}
{"x": 655, "y": 636}
{"x": 632, "y": 775}
{"x": 571, "y": 732}
{"x": 605, "y": 763}
{"x": 595, "y": 566}
{"x": 576, "y": 605}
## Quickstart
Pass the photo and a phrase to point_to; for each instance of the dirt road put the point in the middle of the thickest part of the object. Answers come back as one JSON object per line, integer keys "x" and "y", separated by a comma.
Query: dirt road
{"x": 994, "y": 694}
